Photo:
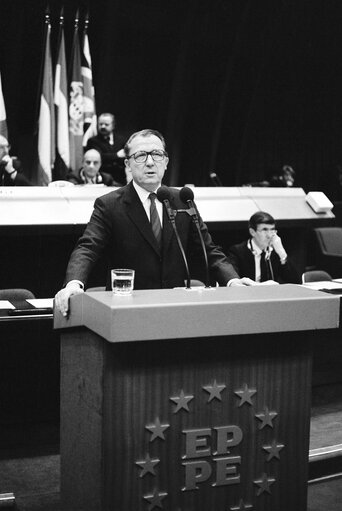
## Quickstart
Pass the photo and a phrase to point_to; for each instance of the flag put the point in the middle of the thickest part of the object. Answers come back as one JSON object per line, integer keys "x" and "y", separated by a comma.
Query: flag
{"x": 89, "y": 127}
{"x": 3, "y": 122}
{"x": 76, "y": 105}
{"x": 62, "y": 163}
{"x": 46, "y": 123}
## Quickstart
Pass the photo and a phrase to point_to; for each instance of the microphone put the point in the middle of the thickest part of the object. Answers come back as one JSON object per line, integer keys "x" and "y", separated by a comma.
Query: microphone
{"x": 187, "y": 196}
{"x": 269, "y": 250}
{"x": 164, "y": 195}
{"x": 216, "y": 181}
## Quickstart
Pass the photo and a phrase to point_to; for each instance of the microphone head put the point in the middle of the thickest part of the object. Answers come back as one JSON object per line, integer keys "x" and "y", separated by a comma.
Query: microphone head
{"x": 186, "y": 194}
{"x": 163, "y": 193}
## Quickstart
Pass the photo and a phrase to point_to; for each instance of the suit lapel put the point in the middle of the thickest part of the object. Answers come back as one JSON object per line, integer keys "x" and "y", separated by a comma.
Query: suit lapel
{"x": 167, "y": 227}
{"x": 137, "y": 214}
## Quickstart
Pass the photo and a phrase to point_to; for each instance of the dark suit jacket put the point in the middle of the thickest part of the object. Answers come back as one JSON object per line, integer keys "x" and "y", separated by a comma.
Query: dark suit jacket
{"x": 77, "y": 180}
{"x": 20, "y": 179}
{"x": 119, "y": 226}
{"x": 243, "y": 261}
{"x": 111, "y": 163}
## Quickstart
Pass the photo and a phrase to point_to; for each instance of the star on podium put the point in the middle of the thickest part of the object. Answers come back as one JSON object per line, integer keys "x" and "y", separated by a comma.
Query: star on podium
{"x": 264, "y": 484}
{"x": 181, "y": 402}
{"x": 241, "y": 507}
{"x": 147, "y": 466}
{"x": 214, "y": 391}
{"x": 266, "y": 418}
{"x": 155, "y": 500}
{"x": 245, "y": 395}
{"x": 273, "y": 450}
{"x": 157, "y": 429}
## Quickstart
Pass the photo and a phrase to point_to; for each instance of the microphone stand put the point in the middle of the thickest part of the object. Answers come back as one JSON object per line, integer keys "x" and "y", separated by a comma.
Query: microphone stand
{"x": 194, "y": 213}
{"x": 172, "y": 218}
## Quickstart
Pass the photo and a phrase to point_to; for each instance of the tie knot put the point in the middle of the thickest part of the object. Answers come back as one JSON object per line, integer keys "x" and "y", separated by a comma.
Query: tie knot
{"x": 153, "y": 196}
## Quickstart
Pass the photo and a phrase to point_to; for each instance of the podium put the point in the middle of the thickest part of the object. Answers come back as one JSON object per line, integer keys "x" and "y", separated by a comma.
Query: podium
{"x": 183, "y": 400}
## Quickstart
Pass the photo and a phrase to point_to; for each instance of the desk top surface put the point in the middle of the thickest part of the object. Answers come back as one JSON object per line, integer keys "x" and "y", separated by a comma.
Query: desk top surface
{"x": 73, "y": 205}
{"x": 181, "y": 313}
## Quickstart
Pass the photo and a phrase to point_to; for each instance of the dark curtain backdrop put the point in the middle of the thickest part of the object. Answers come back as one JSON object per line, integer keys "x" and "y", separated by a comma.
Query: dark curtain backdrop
{"x": 239, "y": 87}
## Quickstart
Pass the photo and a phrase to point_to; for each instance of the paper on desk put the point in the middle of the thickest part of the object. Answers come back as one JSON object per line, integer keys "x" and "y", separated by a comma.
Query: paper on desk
{"x": 5, "y": 304}
{"x": 41, "y": 302}
{"x": 324, "y": 284}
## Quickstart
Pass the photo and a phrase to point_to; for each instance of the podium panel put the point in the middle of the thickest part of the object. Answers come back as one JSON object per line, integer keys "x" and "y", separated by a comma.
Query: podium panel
{"x": 217, "y": 422}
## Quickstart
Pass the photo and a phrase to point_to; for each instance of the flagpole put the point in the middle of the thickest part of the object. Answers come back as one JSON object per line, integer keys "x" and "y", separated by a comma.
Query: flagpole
{"x": 62, "y": 161}
{"x": 46, "y": 122}
{"x": 76, "y": 106}
{"x": 41, "y": 71}
{"x": 90, "y": 120}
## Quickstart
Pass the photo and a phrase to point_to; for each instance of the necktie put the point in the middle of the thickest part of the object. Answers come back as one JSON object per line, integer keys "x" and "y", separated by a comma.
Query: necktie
{"x": 265, "y": 273}
{"x": 154, "y": 220}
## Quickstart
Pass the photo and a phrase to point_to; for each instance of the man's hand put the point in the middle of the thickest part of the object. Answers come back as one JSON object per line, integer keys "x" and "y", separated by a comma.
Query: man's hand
{"x": 276, "y": 243}
{"x": 245, "y": 281}
{"x": 62, "y": 297}
{"x": 9, "y": 166}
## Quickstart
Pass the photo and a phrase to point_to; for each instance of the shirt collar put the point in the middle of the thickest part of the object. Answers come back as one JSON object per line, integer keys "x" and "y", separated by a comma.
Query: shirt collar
{"x": 142, "y": 193}
{"x": 257, "y": 250}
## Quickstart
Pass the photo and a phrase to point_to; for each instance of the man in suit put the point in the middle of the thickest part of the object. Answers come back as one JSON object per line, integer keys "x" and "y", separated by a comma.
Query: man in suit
{"x": 130, "y": 226}
{"x": 10, "y": 167}
{"x": 110, "y": 146}
{"x": 91, "y": 171}
{"x": 263, "y": 257}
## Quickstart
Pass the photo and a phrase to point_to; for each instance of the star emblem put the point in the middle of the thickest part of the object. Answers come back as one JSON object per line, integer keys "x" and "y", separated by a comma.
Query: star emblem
{"x": 241, "y": 506}
{"x": 273, "y": 450}
{"x": 266, "y": 418}
{"x": 155, "y": 500}
{"x": 214, "y": 391}
{"x": 181, "y": 401}
{"x": 147, "y": 466}
{"x": 245, "y": 395}
{"x": 264, "y": 484}
{"x": 157, "y": 429}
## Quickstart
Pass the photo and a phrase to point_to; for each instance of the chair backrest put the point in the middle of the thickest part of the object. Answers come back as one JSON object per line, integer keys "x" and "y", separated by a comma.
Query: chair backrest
{"x": 16, "y": 294}
{"x": 315, "y": 276}
{"x": 329, "y": 240}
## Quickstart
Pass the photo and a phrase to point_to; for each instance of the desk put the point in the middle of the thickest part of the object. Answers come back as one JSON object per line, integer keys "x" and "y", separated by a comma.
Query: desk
{"x": 40, "y": 226}
{"x": 189, "y": 400}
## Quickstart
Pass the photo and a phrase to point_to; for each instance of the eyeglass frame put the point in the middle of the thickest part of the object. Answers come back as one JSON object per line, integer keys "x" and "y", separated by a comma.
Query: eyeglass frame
{"x": 5, "y": 146}
{"x": 271, "y": 230}
{"x": 148, "y": 153}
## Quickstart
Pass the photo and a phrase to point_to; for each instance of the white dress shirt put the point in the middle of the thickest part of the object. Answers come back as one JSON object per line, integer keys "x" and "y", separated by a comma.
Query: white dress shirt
{"x": 144, "y": 196}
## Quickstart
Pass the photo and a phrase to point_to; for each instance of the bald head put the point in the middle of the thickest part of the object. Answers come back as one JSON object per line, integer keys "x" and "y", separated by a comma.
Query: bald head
{"x": 91, "y": 162}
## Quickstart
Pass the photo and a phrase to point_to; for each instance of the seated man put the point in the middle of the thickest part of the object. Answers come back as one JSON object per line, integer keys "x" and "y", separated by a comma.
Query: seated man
{"x": 10, "y": 167}
{"x": 262, "y": 257}
{"x": 110, "y": 146}
{"x": 90, "y": 173}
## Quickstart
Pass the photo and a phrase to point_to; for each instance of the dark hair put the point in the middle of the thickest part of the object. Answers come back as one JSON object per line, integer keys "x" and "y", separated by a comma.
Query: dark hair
{"x": 261, "y": 217}
{"x": 143, "y": 133}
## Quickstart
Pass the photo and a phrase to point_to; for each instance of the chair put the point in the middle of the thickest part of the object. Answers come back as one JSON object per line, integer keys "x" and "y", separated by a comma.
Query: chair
{"x": 329, "y": 244}
{"x": 315, "y": 276}
{"x": 16, "y": 294}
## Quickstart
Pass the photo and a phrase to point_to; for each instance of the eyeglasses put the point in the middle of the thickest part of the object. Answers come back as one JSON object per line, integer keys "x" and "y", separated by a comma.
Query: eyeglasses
{"x": 5, "y": 146}
{"x": 141, "y": 156}
{"x": 267, "y": 230}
